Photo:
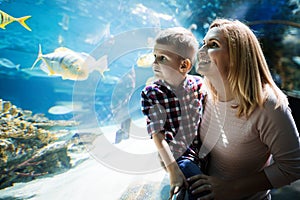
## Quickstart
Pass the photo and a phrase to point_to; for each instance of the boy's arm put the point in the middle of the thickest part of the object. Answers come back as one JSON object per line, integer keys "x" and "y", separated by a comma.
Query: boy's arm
{"x": 156, "y": 113}
{"x": 177, "y": 179}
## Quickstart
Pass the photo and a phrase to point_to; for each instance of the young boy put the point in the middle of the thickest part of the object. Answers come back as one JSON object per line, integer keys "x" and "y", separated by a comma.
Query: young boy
{"x": 173, "y": 106}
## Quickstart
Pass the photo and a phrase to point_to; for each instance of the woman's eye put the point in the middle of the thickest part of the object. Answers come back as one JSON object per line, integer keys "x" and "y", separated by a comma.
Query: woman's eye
{"x": 213, "y": 45}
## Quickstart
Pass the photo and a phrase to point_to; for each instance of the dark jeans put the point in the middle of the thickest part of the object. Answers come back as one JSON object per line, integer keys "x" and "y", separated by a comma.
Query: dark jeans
{"x": 189, "y": 169}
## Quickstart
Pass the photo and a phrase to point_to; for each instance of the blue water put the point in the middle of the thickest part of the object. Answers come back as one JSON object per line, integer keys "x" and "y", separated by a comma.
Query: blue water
{"x": 88, "y": 26}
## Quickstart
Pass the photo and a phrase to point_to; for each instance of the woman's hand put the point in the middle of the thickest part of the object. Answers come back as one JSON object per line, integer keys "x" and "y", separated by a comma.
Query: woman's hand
{"x": 217, "y": 188}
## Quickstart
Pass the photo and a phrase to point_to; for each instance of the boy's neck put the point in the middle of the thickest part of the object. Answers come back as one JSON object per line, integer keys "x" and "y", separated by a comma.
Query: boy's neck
{"x": 176, "y": 82}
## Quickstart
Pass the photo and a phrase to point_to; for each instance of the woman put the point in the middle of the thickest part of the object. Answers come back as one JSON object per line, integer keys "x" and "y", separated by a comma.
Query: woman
{"x": 247, "y": 125}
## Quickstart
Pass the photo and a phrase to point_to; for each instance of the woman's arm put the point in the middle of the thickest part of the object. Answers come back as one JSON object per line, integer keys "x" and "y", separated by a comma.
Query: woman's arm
{"x": 278, "y": 132}
{"x": 230, "y": 190}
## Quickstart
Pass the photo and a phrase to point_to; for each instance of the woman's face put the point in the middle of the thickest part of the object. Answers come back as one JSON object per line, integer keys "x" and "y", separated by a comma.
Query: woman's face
{"x": 213, "y": 56}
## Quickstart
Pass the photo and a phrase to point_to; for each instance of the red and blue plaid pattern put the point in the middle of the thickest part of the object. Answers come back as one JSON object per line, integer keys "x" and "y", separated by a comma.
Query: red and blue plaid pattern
{"x": 176, "y": 113}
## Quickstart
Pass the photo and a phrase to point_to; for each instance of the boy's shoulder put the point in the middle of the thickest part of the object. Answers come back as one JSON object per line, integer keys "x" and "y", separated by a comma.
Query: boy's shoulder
{"x": 195, "y": 78}
{"x": 195, "y": 81}
{"x": 156, "y": 86}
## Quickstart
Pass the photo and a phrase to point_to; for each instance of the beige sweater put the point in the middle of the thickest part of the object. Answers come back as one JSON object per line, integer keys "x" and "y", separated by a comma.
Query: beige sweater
{"x": 240, "y": 147}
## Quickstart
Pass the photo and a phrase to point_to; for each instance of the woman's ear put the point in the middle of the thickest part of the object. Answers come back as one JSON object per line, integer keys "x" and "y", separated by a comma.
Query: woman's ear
{"x": 185, "y": 65}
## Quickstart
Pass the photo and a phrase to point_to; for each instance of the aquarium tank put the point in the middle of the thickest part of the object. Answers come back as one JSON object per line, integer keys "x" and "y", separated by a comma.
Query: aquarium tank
{"x": 71, "y": 74}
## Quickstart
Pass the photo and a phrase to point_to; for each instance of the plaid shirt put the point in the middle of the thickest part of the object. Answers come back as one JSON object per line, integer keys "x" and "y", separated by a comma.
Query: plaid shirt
{"x": 176, "y": 113}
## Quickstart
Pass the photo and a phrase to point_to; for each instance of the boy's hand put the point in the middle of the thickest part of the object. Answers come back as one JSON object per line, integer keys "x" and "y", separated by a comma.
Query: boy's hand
{"x": 177, "y": 179}
{"x": 181, "y": 194}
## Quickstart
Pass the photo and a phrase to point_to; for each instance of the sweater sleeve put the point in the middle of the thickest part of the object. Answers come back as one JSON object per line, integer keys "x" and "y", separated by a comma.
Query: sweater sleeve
{"x": 278, "y": 131}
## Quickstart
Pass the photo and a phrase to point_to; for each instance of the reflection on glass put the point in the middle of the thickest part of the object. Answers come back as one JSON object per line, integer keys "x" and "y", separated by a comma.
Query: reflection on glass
{"x": 52, "y": 125}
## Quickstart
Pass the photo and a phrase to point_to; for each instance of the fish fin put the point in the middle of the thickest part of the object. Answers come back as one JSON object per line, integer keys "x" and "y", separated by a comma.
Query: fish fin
{"x": 50, "y": 70}
{"x": 2, "y": 26}
{"x": 18, "y": 67}
{"x": 61, "y": 49}
{"x": 40, "y": 54}
{"x": 44, "y": 68}
{"x": 22, "y": 20}
{"x": 87, "y": 57}
{"x": 100, "y": 65}
{"x": 102, "y": 72}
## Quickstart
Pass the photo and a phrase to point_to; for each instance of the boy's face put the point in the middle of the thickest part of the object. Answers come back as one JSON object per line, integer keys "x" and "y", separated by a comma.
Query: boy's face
{"x": 166, "y": 65}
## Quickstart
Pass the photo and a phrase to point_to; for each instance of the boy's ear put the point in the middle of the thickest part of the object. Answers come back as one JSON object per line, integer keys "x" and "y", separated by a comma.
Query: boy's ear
{"x": 185, "y": 65}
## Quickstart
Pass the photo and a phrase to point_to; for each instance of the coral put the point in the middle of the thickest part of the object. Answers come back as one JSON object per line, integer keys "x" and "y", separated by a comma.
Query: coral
{"x": 32, "y": 145}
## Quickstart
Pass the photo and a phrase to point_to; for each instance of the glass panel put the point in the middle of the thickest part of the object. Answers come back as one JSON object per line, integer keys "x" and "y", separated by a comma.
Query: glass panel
{"x": 71, "y": 75}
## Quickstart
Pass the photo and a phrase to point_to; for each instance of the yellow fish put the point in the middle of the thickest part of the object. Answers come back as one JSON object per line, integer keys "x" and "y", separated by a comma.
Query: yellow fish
{"x": 69, "y": 64}
{"x": 7, "y": 19}
{"x": 145, "y": 60}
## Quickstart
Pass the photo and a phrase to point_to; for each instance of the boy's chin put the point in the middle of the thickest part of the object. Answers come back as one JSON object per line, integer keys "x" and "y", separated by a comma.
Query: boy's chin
{"x": 157, "y": 76}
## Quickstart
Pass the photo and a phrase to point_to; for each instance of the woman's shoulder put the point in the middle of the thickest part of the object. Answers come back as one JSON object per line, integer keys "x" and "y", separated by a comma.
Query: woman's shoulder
{"x": 275, "y": 101}
{"x": 273, "y": 115}
{"x": 274, "y": 108}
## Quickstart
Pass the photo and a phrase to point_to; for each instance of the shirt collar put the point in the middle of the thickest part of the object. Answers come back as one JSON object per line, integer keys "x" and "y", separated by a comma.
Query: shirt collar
{"x": 183, "y": 85}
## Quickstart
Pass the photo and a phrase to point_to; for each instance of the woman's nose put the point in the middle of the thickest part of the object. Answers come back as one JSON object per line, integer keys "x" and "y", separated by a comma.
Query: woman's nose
{"x": 202, "y": 50}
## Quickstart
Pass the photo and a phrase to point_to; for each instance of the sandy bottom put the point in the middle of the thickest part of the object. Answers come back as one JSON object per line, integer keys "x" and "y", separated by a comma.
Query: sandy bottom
{"x": 95, "y": 178}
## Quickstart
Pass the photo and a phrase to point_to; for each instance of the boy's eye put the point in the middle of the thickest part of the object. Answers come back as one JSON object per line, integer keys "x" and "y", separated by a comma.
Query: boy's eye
{"x": 160, "y": 58}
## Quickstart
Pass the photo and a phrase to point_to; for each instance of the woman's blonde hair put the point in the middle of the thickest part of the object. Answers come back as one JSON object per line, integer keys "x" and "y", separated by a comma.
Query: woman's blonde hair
{"x": 248, "y": 73}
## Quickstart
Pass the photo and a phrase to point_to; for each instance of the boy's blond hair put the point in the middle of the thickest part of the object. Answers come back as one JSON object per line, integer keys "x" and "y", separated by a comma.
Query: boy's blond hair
{"x": 182, "y": 40}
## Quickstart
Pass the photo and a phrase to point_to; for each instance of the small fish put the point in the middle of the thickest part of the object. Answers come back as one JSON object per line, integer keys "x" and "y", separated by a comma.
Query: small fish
{"x": 69, "y": 64}
{"x": 60, "y": 110}
{"x": 8, "y": 64}
{"x": 296, "y": 59}
{"x": 145, "y": 60}
{"x": 65, "y": 22}
{"x": 7, "y": 19}
{"x": 110, "y": 80}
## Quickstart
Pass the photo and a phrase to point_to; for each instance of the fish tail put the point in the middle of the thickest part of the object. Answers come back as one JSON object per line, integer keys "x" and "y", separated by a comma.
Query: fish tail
{"x": 101, "y": 65}
{"x": 18, "y": 67}
{"x": 40, "y": 54}
{"x": 22, "y": 20}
